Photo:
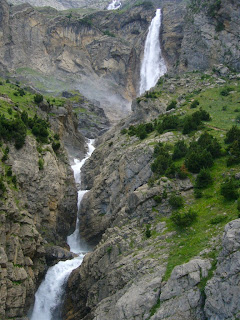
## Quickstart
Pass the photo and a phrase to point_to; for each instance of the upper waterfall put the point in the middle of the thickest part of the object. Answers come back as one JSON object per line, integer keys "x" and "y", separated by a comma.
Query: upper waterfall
{"x": 153, "y": 65}
{"x": 114, "y": 5}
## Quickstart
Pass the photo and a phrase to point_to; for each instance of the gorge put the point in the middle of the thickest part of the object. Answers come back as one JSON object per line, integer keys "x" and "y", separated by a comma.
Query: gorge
{"x": 162, "y": 229}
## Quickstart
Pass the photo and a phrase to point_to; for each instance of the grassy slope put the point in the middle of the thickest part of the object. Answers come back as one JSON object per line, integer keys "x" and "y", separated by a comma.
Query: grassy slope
{"x": 204, "y": 233}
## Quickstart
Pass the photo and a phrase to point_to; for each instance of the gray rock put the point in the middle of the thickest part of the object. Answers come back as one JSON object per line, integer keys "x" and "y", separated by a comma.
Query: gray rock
{"x": 222, "y": 291}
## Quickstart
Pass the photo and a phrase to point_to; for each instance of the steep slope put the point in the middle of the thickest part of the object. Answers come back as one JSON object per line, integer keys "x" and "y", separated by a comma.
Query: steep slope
{"x": 38, "y": 196}
{"x": 97, "y": 55}
{"x": 151, "y": 263}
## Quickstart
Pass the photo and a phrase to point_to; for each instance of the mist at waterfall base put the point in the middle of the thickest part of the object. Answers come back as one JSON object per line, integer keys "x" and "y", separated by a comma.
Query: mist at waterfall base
{"x": 153, "y": 65}
{"x": 48, "y": 297}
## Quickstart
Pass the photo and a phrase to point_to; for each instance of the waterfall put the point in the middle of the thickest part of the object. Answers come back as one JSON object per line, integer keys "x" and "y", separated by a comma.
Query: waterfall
{"x": 153, "y": 65}
{"x": 114, "y": 5}
{"x": 49, "y": 295}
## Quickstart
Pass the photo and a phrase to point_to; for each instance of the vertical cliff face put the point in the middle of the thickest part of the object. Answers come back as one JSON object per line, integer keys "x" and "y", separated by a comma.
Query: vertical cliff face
{"x": 40, "y": 211}
{"x": 198, "y": 35}
{"x": 98, "y": 55}
{"x": 38, "y": 196}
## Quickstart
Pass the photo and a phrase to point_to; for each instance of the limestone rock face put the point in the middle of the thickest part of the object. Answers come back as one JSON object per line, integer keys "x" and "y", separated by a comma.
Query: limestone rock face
{"x": 222, "y": 291}
{"x": 66, "y": 4}
{"x": 42, "y": 209}
{"x": 36, "y": 214}
{"x": 98, "y": 55}
{"x": 211, "y": 36}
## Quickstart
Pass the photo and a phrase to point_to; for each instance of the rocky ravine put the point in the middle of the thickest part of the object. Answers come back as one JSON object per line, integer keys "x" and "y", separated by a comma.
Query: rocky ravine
{"x": 38, "y": 214}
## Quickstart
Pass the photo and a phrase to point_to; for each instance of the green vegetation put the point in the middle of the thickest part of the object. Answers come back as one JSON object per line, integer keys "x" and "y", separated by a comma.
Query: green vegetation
{"x": 176, "y": 201}
{"x": 205, "y": 149}
{"x": 40, "y": 164}
{"x": 184, "y": 218}
{"x": 148, "y": 232}
{"x": 172, "y": 105}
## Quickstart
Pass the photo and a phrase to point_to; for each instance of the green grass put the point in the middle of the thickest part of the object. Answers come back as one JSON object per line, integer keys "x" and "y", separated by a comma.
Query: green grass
{"x": 189, "y": 242}
{"x": 213, "y": 210}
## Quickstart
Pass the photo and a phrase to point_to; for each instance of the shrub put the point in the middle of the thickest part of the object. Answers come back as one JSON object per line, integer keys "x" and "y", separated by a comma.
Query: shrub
{"x": 176, "y": 201}
{"x": 229, "y": 189}
{"x": 218, "y": 219}
{"x": 158, "y": 199}
{"x": 24, "y": 117}
{"x": 10, "y": 111}
{"x": 13, "y": 129}
{"x": 238, "y": 204}
{"x": 220, "y": 26}
{"x": 198, "y": 158}
{"x": 170, "y": 122}
{"x": 148, "y": 232}
{"x": 123, "y": 131}
{"x": 225, "y": 91}
{"x": 197, "y": 193}
{"x": 39, "y": 128}
{"x": 232, "y": 134}
{"x": 40, "y": 164}
{"x": 185, "y": 218}
{"x": 4, "y": 157}
{"x": 38, "y": 98}
{"x": 172, "y": 105}
{"x": 182, "y": 172}
{"x": 210, "y": 143}
{"x": 9, "y": 172}
{"x": 161, "y": 163}
{"x": 194, "y": 104}
{"x": 180, "y": 150}
{"x": 14, "y": 180}
{"x": 203, "y": 179}
{"x": 56, "y": 146}
{"x": 2, "y": 186}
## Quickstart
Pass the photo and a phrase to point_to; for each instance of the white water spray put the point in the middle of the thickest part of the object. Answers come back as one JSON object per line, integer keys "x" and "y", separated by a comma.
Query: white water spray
{"x": 153, "y": 65}
{"x": 49, "y": 294}
{"x": 114, "y": 5}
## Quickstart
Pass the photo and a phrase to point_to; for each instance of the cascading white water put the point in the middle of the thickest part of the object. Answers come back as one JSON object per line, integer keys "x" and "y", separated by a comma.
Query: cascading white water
{"x": 114, "y": 5}
{"x": 49, "y": 294}
{"x": 153, "y": 65}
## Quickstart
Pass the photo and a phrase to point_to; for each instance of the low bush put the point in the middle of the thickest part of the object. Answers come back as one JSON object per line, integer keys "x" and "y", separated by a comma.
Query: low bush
{"x": 203, "y": 179}
{"x": 148, "y": 232}
{"x": 197, "y": 193}
{"x": 158, "y": 199}
{"x": 38, "y": 98}
{"x": 184, "y": 218}
{"x": 232, "y": 134}
{"x": 180, "y": 150}
{"x": 225, "y": 91}
{"x": 56, "y": 146}
{"x": 176, "y": 201}
{"x": 40, "y": 164}
{"x": 198, "y": 158}
{"x": 218, "y": 219}
{"x": 194, "y": 104}
{"x": 229, "y": 189}
{"x": 172, "y": 105}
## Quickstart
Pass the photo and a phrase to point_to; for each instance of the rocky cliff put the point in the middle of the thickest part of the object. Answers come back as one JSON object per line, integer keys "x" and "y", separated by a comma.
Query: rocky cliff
{"x": 142, "y": 266}
{"x": 97, "y": 54}
{"x": 38, "y": 198}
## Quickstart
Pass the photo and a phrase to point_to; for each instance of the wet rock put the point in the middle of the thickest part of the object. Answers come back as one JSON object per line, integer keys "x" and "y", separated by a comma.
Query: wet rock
{"x": 54, "y": 254}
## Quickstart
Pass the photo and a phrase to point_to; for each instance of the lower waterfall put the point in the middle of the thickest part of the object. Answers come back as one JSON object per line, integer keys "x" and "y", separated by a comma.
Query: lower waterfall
{"x": 49, "y": 295}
